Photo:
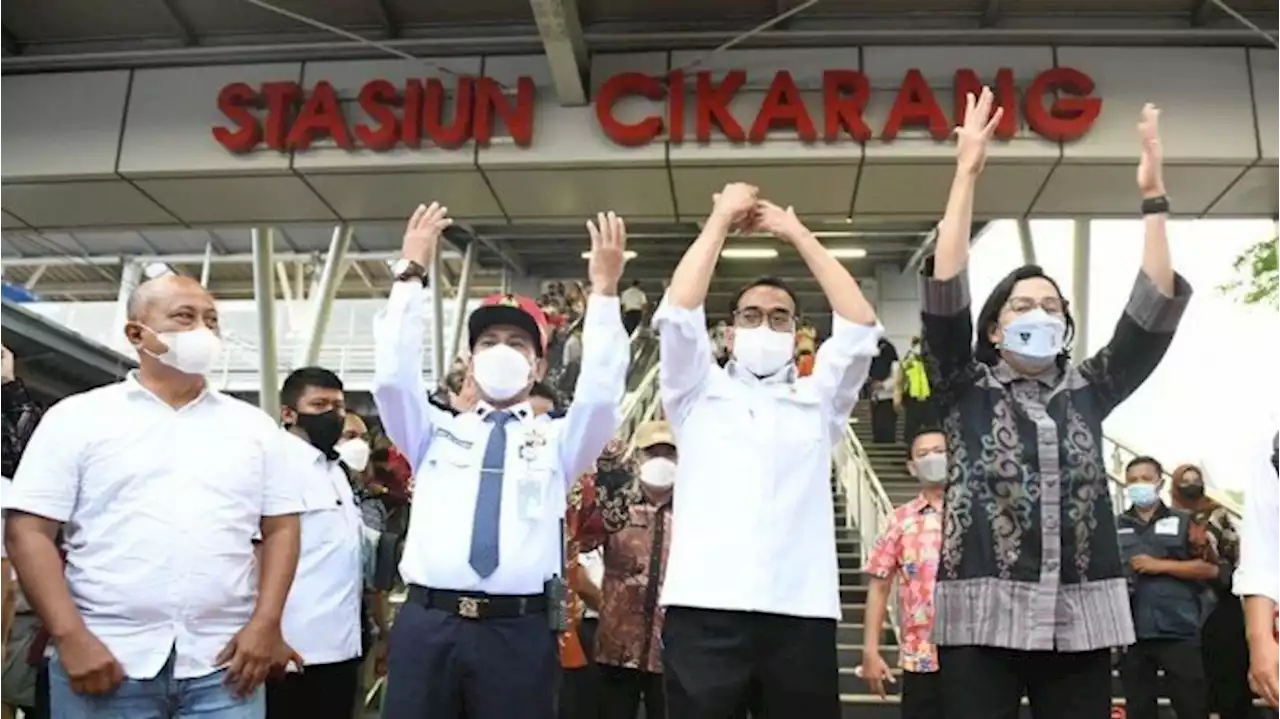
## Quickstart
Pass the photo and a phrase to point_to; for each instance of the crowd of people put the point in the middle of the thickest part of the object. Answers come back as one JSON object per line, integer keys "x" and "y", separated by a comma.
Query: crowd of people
{"x": 187, "y": 556}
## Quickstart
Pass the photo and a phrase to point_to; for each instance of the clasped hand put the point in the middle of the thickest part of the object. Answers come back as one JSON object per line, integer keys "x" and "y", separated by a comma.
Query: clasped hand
{"x": 740, "y": 205}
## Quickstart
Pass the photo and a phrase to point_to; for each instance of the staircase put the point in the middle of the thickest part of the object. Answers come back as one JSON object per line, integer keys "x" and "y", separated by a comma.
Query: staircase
{"x": 889, "y": 463}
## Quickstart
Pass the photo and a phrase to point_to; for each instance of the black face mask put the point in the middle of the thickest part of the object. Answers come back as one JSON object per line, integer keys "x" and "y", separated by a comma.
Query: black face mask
{"x": 323, "y": 430}
{"x": 1191, "y": 492}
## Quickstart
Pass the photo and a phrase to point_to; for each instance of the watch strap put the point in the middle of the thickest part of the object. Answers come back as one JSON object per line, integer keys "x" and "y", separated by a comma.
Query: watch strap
{"x": 1155, "y": 205}
{"x": 410, "y": 270}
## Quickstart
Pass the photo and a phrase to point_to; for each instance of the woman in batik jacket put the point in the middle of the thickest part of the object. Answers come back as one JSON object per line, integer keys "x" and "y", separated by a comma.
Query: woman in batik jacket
{"x": 1030, "y": 595}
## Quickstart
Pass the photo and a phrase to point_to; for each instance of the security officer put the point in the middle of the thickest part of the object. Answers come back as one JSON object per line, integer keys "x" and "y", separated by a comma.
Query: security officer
{"x": 482, "y": 557}
{"x": 1168, "y": 557}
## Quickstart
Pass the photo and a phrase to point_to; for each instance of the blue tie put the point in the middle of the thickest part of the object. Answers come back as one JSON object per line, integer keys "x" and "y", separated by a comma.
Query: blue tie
{"x": 484, "y": 529}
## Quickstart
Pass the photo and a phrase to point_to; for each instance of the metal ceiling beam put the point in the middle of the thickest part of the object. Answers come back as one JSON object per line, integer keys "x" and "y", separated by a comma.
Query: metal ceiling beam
{"x": 179, "y": 21}
{"x": 390, "y": 24}
{"x": 239, "y": 258}
{"x": 11, "y": 44}
{"x": 565, "y": 47}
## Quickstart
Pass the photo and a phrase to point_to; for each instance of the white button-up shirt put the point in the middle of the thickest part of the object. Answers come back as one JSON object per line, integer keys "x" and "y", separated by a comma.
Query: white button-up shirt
{"x": 1259, "y": 573}
{"x": 446, "y": 451}
{"x": 160, "y": 507}
{"x": 322, "y": 616}
{"x": 753, "y": 526}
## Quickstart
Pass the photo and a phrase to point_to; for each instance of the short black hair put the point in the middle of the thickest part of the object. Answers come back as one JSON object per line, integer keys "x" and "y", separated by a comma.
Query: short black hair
{"x": 989, "y": 316}
{"x": 296, "y": 384}
{"x": 1144, "y": 459}
{"x": 920, "y": 432}
{"x": 774, "y": 282}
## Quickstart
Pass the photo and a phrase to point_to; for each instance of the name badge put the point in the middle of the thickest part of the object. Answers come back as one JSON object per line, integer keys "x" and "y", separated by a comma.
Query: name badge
{"x": 529, "y": 499}
{"x": 1167, "y": 527}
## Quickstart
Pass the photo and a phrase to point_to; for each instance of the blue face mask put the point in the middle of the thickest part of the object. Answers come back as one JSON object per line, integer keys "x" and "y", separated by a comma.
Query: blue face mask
{"x": 1142, "y": 495}
{"x": 1035, "y": 336}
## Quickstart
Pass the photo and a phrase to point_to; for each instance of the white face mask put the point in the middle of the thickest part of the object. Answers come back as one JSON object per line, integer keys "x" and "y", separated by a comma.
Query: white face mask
{"x": 354, "y": 453}
{"x": 763, "y": 351}
{"x": 931, "y": 468}
{"x": 658, "y": 472}
{"x": 191, "y": 352}
{"x": 501, "y": 372}
{"x": 1035, "y": 338}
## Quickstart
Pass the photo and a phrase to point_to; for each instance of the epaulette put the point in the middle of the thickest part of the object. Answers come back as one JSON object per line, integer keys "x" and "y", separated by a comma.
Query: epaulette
{"x": 557, "y": 413}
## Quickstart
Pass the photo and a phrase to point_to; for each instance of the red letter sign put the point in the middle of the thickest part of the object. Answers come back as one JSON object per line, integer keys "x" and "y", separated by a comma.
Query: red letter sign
{"x": 1071, "y": 114}
{"x": 711, "y": 106}
{"x": 376, "y": 99}
{"x": 783, "y": 107}
{"x": 234, "y": 102}
{"x": 629, "y": 83}
{"x": 1005, "y": 97}
{"x": 915, "y": 105}
{"x": 844, "y": 113}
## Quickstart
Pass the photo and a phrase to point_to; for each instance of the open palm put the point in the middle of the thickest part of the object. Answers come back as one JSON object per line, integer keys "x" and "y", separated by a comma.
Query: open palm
{"x": 975, "y": 133}
{"x": 608, "y": 251}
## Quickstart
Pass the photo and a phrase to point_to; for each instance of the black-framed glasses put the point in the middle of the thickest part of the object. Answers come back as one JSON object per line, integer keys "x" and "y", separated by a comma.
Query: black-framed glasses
{"x": 1052, "y": 305}
{"x": 752, "y": 317}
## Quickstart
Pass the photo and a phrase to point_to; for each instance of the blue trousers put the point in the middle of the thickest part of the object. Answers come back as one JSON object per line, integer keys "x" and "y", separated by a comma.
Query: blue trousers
{"x": 162, "y": 697}
{"x": 441, "y": 666}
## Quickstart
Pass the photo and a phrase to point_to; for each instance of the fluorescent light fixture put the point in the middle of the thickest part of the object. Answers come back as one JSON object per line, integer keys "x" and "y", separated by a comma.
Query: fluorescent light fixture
{"x": 627, "y": 254}
{"x": 847, "y": 253}
{"x": 749, "y": 253}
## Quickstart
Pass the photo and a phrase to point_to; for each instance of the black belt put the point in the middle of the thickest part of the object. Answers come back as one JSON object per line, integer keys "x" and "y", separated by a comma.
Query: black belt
{"x": 478, "y": 605}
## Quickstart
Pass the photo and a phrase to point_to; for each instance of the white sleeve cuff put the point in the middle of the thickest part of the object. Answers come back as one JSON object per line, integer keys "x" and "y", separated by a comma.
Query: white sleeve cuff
{"x": 853, "y": 339}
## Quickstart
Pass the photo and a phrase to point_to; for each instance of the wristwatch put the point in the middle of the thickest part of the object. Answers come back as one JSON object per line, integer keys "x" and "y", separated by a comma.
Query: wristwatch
{"x": 405, "y": 269}
{"x": 1155, "y": 205}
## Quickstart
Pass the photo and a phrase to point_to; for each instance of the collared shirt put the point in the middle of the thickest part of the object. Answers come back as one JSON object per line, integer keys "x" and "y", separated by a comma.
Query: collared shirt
{"x": 160, "y": 507}
{"x": 1259, "y": 573}
{"x": 759, "y": 451}
{"x": 909, "y": 547}
{"x": 322, "y": 615}
{"x": 1030, "y": 556}
{"x": 614, "y": 514}
{"x": 446, "y": 450}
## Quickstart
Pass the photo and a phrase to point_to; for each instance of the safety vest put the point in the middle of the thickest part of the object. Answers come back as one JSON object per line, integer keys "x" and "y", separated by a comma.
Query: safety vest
{"x": 917, "y": 378}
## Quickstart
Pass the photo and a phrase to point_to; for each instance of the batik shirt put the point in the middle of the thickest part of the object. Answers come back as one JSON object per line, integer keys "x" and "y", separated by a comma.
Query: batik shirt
{"x": 909, "y": 547}
{"x": 1030, "y": 556}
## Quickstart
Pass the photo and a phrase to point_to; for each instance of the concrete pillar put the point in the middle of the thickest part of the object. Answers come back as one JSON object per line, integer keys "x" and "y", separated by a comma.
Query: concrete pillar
{"x": 130, "y": 278}
{"x": 1080, "y": 249}
{"x": 335, "y": 267}
{"x": 437, "y": 318}
{"x": 1025, "y": 242}
{"x": 264, "y": 294}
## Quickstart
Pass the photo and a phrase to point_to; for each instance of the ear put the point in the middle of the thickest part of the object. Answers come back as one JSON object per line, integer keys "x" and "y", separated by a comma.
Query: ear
{"x": 995, "y": 333}
{"x": 911, "y": 467}
{"x": 728, "y": 337}
{"x": 288, "y": 416}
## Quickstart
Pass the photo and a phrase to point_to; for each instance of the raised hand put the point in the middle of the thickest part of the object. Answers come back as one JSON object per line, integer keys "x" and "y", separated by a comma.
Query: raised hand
{"x": 974, "y": 134}
{"x": 608, "y": 253}
{"x": 1151, "y": 166}
{"x": 736, "y": 204}
{"x": 6, "y": 364}
{"x": 423, "y": 232}
{"x": 779, "y": 222}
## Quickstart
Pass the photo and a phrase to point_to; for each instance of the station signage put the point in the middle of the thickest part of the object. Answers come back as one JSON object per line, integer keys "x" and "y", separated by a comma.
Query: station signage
{"x": 1057, "y": 104}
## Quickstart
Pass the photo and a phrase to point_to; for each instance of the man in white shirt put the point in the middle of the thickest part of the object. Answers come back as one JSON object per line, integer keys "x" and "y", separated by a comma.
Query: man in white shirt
{"x": 755, "y": 602}
{"x": 322, "y": 619}
{"x": 1257, "y": 578}
{"x": 634, "y": 301}
{"x": 160, "y": 484}
{"x": 484, "y": 551}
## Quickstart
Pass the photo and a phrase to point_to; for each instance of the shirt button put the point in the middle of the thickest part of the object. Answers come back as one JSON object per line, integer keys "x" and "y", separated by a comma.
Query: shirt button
{"x": 1051, "y": 565}
{"x": 1051, "y": 523}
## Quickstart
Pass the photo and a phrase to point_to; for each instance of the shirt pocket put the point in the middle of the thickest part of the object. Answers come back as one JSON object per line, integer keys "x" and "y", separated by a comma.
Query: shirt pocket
{"x": 799, "y": 419}
{"x": 324, "y": 520}
{"x": 446, "y": 454}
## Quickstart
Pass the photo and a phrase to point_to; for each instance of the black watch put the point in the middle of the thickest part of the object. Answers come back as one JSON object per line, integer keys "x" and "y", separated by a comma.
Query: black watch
{"x": 1155, "y": 205}
{"x": 405, "y": 270}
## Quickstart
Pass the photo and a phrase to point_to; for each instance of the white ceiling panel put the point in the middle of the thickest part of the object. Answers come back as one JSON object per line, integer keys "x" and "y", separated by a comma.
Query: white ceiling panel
{"x": 13, "y": 244}
{"x": 107, "y": 243}
{"x": 9, "y": 222}
{"x": 1109, "y": 190}
{"x": 238, "y": 199}
{"x": 1004, "y": 190}
{"x": 811, "y": 189}
{"x": 105, "y": 203}
{"x": 393, "y": 195}
{"x": 533, "y": 194}
{"x": 1253, "y": 195}
{"x": 177, "y": 242}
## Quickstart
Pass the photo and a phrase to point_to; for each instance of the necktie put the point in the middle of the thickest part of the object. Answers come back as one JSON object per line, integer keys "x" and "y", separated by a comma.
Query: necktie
{"x": 484, "y": 528}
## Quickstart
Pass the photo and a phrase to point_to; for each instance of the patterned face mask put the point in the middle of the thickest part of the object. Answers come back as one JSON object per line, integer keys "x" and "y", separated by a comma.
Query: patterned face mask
{"x": 1035, "y": 335}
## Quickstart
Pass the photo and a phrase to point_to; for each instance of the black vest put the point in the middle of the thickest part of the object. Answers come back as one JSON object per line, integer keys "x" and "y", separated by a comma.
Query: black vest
{"x": 1164, "y": 607}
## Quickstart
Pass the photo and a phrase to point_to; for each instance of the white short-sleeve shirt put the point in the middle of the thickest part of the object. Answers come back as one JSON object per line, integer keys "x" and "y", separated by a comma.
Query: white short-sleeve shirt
{"x": 160, "y": 507}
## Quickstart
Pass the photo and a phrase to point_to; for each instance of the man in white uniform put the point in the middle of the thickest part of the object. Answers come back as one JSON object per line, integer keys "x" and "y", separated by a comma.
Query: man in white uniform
{"x": 160, "y": 484}
{"x": 483, "y": 555}
{"x": 322, "y": 618}
{"x": 752, "y": 603}
{"x": 1257, "y": 579}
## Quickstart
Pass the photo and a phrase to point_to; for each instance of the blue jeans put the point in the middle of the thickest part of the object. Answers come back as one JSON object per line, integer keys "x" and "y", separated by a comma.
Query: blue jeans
{"x": 162, "y": 697}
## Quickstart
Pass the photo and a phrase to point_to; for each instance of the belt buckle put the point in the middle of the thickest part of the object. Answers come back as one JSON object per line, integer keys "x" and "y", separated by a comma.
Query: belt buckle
{"x": 469, "y": 607}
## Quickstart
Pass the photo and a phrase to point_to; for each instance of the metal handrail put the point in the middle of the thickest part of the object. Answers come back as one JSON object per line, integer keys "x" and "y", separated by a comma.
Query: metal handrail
{"x": 1121, "y": 454}
{"x": 867, "y": 505}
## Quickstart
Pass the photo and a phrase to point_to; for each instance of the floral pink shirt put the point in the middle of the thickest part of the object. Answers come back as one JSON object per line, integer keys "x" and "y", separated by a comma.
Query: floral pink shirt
{"x": 909, "y": 548}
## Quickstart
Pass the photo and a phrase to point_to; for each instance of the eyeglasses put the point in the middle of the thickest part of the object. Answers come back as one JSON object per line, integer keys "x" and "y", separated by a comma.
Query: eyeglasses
{"x": 753, "y": 317}
{"x": 1052, "y": 305}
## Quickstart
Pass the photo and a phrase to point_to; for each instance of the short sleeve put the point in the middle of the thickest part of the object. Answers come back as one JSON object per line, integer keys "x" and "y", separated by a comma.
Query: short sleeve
{"x": 886, "y": 553}
{"x": 48, "y": 478}
{"x": 282, "y": 489}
